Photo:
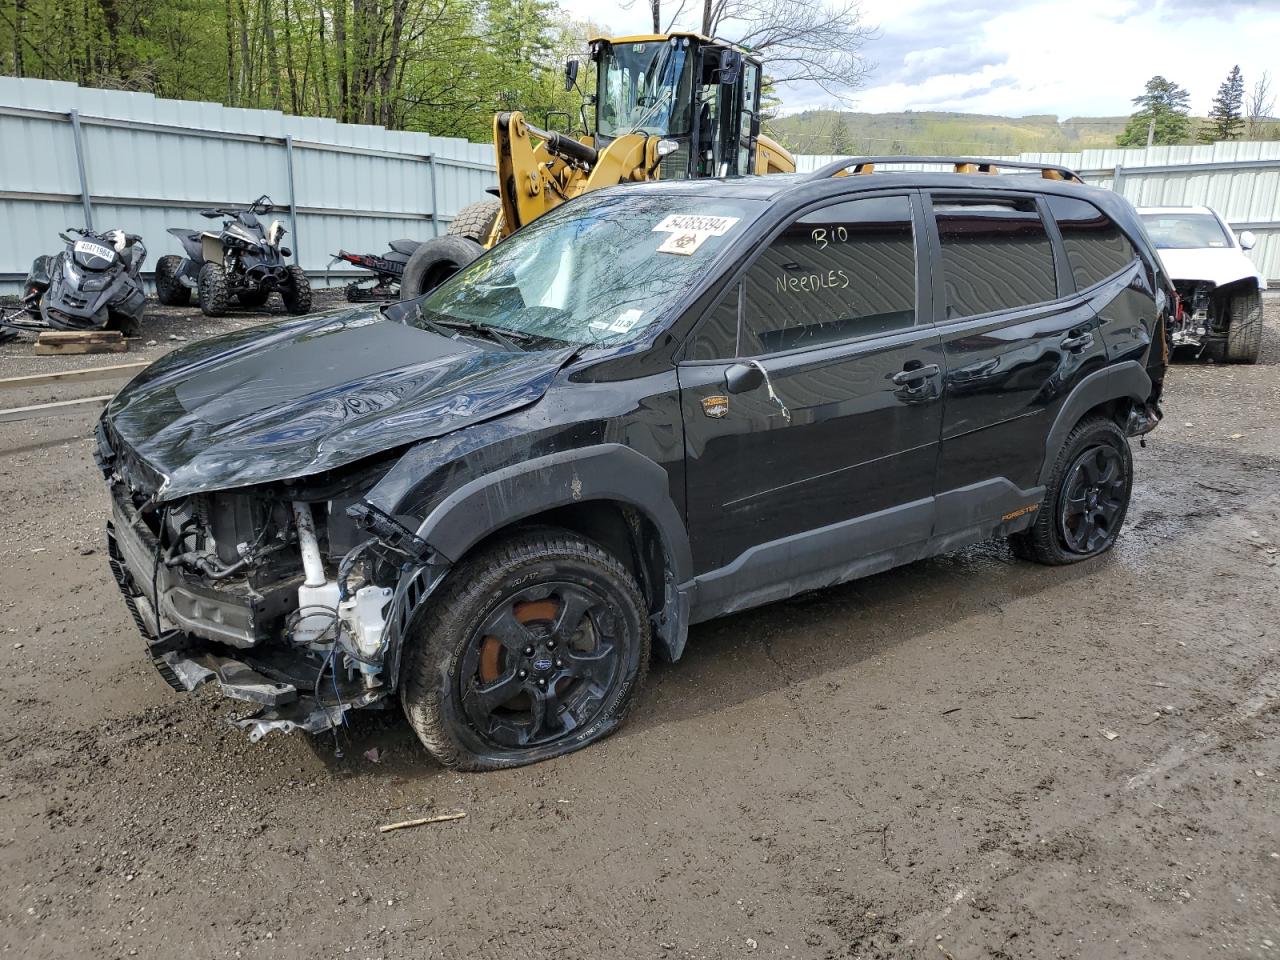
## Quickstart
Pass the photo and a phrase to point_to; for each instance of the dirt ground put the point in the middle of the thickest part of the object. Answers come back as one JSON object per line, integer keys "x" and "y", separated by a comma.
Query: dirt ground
{"x": 969, "y": 757}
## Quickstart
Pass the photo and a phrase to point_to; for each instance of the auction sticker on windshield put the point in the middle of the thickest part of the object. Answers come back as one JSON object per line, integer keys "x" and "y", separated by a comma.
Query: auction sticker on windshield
{"x": 688, "y": 231}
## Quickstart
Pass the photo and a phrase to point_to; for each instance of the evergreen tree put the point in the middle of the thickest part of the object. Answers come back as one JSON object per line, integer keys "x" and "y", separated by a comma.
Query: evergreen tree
{"x": 1165, "y": 103}
{"x": 1226, "y": 116}
{"x": 840, "y": 143}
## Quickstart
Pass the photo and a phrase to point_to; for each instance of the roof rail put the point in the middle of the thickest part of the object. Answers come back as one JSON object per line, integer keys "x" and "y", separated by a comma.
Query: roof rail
{"x": 864, "y": 165}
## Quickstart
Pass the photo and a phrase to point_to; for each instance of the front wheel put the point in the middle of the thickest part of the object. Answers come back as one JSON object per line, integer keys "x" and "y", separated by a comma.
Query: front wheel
{"x": 533, "y": 648}
{"x": 296, "y": 294}
{"x": 1244, "y": 331}
{"x": 171, "y": 291}
{"x": 1085, "y": 500}
{"x": 215, "y": 301}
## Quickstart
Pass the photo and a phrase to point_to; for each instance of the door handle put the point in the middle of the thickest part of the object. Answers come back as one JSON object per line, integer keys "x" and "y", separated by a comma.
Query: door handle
{"x": 1081, "y": 342}
{"x": 904, "y": 377}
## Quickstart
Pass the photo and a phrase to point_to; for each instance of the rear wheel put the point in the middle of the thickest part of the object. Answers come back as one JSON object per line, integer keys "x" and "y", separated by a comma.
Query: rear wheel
{"x": 215, "y": 301}
{"x": 170, "y": 291}
{"x": 435, "y": 262}
{"x": 1244, "y": 333}
{"x": 533, "y": 648}
{"x": 475, "y": 220}
{"x": 296, "y": 294}
{"x": 1086, "y": 498}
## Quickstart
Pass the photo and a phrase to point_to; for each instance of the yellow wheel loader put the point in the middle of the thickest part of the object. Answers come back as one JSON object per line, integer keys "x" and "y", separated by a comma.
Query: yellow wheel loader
{"x": 667, "y": 107}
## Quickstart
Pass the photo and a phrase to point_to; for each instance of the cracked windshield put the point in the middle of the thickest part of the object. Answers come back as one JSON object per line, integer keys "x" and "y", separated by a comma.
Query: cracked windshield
{"x": 599, "y": 270}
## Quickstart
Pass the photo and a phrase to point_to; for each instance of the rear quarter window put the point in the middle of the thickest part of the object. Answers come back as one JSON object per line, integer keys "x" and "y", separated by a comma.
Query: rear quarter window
{"x": 1096, "y": 248}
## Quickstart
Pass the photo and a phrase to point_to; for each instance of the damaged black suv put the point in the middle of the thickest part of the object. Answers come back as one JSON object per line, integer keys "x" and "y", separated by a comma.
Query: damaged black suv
{"x": 655, "y": 405}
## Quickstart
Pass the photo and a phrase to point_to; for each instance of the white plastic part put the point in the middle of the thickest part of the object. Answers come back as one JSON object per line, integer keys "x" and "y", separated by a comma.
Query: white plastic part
{"x": 317, "y": 597}
{"x": 312, "y": 565}
{"x": 364, "y": 619}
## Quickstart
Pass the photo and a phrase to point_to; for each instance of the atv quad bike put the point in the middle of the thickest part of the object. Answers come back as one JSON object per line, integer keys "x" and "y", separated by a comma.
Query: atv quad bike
{"x": 243, "y": 262}
{"x": 667, "y": 107}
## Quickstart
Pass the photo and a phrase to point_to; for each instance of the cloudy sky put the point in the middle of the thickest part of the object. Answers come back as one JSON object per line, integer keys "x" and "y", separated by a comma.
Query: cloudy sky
{"x": 1019, "y": 57}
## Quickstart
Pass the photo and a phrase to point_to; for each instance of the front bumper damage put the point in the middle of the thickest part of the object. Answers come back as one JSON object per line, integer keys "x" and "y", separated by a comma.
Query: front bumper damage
{"x": 195, "y": 633}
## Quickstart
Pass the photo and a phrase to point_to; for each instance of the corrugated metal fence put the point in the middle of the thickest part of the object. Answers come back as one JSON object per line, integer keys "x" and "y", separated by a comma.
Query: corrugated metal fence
{"x": 131, "y": 160}
{"x": 1240, "y": 180}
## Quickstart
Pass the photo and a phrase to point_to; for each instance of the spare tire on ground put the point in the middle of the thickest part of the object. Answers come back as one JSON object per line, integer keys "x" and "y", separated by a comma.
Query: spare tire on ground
{"x": 435, "y": 262}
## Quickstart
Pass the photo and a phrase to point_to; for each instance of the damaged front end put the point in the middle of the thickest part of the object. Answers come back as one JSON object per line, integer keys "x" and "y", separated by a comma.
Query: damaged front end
{"x": 292, "y": 596}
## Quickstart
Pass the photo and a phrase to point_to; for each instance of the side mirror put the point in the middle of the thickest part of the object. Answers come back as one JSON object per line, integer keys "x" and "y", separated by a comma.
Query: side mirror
{"x": 730, "y": 67}
{"x": 743, "y": 378}
{"x": 1247, "y": 240}
{"x": 570, "y": 75}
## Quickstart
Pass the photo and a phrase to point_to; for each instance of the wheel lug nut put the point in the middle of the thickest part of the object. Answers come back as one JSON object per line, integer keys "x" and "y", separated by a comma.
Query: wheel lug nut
{"x": 551, "y": 644}
{"x": 559, "y": 662}
{"x": 528, "y": 651}
{"x": 523, "y": 674}
{"x": 542, "y": 682}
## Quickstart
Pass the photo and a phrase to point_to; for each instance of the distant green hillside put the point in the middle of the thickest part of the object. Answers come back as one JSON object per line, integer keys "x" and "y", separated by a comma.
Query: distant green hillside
{"x": 830, "y": 131}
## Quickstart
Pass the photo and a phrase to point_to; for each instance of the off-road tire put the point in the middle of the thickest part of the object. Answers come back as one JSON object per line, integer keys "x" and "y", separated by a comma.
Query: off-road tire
{"x": 215, "y": 300}
{"x": 296, "y": 294}
{"x": 252, "y": 298}
{"x": 435, "y": 262}
{"x": 1044, "y": 542}
{"x": 1244, "y": 332}
{"x": 441, "y": 635}
{"x": 170, "y": 291}
{"x": 475, "y": 220}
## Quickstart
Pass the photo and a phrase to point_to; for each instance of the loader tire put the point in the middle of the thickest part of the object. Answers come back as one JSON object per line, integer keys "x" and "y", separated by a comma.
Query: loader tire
{"x": 475, "y": 220}
{"x": 170, "y": 291}
{"x": 1244, "y": 333}
{"x": 435, "y": 262}
{"x": 213, "y": 295}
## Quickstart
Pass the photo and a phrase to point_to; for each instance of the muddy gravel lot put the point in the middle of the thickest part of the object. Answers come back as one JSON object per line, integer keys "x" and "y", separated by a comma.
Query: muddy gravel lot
{"x": 968, "y": 757}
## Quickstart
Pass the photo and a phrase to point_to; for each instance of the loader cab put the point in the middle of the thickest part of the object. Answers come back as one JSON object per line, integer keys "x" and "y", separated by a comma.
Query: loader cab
{"x": 701, "y": 95}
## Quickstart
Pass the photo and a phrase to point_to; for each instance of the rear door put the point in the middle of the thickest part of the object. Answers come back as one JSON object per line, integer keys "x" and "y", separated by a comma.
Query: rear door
{"x": 840, "y": 435}
{"x": 1015, "y": 340}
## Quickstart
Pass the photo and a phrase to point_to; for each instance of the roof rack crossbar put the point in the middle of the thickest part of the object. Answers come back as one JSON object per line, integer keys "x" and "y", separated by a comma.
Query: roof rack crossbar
{"x": 984, "y": 165}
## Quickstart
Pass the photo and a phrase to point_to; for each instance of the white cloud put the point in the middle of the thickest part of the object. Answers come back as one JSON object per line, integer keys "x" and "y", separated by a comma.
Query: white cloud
{"x": 1018, "y": 57}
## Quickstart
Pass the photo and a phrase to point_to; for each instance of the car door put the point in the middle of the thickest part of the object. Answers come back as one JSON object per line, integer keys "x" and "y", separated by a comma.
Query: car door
{"x": 1015, "y": 341}
{"x": 810, "y": 398}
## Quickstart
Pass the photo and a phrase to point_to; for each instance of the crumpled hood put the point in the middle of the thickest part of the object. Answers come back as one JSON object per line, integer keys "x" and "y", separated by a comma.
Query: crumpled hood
{"x": 306, "y": 395}
{"x": 1217, "y": 265}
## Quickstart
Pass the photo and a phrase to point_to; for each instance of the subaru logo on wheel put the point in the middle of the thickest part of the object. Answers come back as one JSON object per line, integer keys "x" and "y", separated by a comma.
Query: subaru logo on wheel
{"x": 542, "y": 663}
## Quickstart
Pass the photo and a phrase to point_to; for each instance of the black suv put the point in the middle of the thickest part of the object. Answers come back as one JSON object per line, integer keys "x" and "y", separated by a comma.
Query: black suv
{"x": 655, "y": 405}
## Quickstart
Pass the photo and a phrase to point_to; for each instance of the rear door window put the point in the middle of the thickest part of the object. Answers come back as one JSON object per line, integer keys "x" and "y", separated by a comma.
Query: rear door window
{"x": 1096, "y": 248}
{"x": 995, "y": 256}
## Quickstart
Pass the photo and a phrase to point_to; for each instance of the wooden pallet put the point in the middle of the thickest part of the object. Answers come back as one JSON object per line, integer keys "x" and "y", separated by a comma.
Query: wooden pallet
{"x": 57, "y": 342}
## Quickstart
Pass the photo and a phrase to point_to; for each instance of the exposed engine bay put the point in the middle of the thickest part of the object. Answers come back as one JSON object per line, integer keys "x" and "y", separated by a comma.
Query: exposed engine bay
{"x": 285, "y": 602}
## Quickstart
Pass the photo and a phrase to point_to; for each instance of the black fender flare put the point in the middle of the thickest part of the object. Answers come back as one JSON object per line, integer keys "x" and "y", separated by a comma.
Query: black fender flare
{"x": 1127, "y": 380}
{"x": 607, "y": 471}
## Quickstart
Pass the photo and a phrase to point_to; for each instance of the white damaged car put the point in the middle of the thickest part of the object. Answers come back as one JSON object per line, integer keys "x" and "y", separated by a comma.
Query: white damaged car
{"x": 1219, "y": 288}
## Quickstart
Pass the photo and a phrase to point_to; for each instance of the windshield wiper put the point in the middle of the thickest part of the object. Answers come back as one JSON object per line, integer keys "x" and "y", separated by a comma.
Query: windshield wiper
{"x": 449, "y": 324}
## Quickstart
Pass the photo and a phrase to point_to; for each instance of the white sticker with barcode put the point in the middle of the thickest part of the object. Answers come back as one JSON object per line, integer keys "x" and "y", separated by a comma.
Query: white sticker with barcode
{"x": 706, "y": 224}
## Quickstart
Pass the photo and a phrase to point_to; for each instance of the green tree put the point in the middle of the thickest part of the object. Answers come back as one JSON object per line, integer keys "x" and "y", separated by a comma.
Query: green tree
{"x": 839, "y": 142}
{"x": 1226, "y": 116}
{"x": 1165, "y": 104}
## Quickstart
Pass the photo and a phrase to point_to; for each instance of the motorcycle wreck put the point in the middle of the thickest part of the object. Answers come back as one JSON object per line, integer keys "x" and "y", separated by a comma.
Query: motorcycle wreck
{"x": 94, "y": 284}
{"x": 387, "y": 269}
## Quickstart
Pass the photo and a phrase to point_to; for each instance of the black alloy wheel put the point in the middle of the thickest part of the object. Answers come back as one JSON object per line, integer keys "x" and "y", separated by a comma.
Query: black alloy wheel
{"x": 533, "y": 647}
{"x": 1093, "y": 499}
{"x": 541, "y": 665}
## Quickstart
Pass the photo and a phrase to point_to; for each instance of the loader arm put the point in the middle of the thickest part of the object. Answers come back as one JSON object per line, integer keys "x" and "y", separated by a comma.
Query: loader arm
{"x": 534, "y": 178}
